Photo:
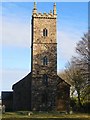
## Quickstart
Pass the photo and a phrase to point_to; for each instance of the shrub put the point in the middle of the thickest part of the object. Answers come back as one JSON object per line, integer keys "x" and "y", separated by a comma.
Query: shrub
{"x": 86, "y": 107}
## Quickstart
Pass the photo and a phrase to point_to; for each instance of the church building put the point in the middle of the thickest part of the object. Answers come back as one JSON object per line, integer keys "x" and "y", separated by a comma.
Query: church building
{"x": 42, "y": 89}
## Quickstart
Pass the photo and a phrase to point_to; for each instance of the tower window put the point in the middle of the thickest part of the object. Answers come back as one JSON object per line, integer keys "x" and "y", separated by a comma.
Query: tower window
{"x": 45, "y": 79}
{"x": 45, "y": 60}
{"x": 45, "y": 97}
{"x": 45, "y": 32}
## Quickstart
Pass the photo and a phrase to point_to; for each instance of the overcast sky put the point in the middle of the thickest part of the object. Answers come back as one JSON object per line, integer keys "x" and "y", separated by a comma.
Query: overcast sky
{"x": 72, "y": 23}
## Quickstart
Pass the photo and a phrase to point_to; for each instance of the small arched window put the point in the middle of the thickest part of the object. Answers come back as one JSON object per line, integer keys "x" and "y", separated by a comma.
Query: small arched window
{"x": 45, "y": 32}
{"x": 45, "y": 79}
{"x": 45, "y": 60}
{"x": 44, "y": 97}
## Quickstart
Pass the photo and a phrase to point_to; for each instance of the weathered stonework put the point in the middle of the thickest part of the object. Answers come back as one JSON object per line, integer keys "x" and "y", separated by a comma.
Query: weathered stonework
{"x": 42, "y": 89}
{"x": 22, "y": 94}
{"x": 44, "y": 46}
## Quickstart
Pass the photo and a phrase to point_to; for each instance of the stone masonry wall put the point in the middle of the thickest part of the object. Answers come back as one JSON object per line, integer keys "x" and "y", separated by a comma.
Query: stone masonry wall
{"x": 44, "y": 96}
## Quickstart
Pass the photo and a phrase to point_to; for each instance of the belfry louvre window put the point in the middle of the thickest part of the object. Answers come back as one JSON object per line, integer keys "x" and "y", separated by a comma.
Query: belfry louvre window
{"x": 45, "y": 60}
{"x": 45, "y": 32}
{"x": 45, "y": 79}
{"x": 45, "y": 97}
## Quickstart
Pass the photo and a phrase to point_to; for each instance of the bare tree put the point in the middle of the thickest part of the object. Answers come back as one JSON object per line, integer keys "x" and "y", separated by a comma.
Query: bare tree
{"x": 77, "y": 71}
{"x": 83, "y": 61}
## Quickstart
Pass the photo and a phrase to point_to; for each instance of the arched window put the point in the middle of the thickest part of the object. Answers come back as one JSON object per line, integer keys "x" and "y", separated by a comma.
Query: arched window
{"x": 45, "y": 32}
{"x": 44, "y": 97}
{"x": 45, "y": 60}
{"x": 45, "y": 79}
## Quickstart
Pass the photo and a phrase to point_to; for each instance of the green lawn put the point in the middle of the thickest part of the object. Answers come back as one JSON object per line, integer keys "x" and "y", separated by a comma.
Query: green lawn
{"x": 43, "y": 116}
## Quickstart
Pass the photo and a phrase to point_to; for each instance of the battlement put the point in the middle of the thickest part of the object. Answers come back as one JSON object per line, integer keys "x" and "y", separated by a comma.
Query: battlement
{"x": 44, "y": 15}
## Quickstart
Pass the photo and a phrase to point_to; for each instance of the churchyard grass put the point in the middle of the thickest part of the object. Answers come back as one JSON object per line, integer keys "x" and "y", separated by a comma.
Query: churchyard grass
{"x": 43, "y": 116}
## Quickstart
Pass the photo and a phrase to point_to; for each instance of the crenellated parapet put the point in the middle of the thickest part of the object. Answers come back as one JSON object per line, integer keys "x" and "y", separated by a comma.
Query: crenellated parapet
{"x": 44, "y": 15}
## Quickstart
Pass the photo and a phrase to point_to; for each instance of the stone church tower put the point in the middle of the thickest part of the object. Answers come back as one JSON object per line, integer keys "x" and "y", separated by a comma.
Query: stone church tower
{"x": 44, "y": 56}
{"x": 42, "y": 89}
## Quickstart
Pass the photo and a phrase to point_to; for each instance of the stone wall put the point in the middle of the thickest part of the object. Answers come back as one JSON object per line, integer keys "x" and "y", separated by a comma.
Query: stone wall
{"x": 42, "y": 89}
{"x": 22, "y": 94}
{"x": 7, "y": 100}
{"x": 63, "y": 96}
{"x": 44, "y": 96}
